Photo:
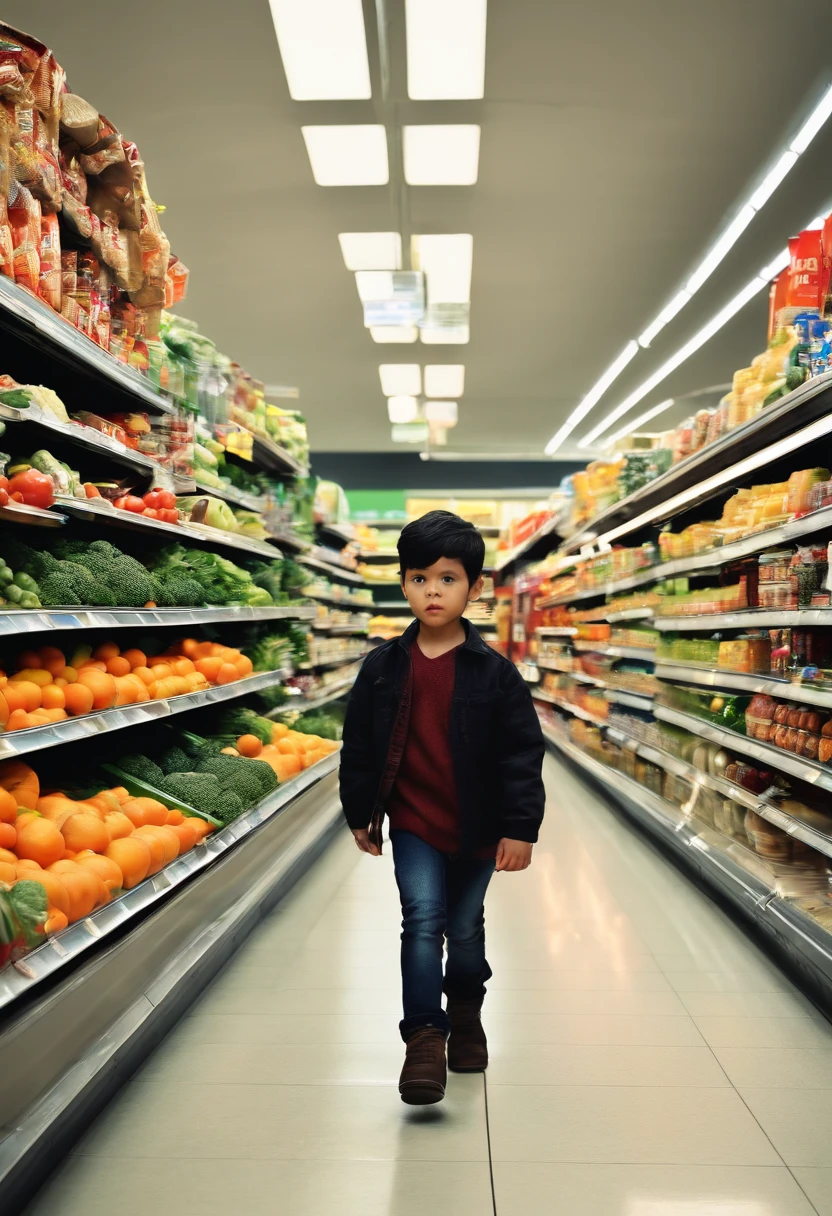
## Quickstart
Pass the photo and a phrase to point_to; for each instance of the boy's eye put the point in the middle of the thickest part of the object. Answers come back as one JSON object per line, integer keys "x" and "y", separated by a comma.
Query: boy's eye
{"x": 448, "y": 578}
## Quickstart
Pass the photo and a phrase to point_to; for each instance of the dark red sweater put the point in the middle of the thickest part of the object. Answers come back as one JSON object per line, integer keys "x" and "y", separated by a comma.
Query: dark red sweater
{"x": 424, "y": 797}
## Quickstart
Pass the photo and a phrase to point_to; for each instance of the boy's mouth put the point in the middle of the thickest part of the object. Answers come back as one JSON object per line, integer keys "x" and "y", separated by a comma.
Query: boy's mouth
{"x": 434, "y": 608}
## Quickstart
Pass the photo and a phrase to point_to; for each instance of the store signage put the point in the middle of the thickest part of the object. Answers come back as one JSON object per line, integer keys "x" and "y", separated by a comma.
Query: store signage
{"x": 401, "y": 299}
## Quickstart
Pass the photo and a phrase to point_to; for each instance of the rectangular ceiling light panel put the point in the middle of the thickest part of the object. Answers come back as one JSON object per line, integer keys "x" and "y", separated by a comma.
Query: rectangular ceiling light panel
{"x": 444, "y": 380}
{"x": 459, "y": 335}
{"x": 446, "y": 155}
{"x": 402, "y": 409}
{"x": 446, "y": 262}
{"x": 348, "y": 155}
{"x": 371, "y": 250}
{"x": 400, "y": 379}
{"x": 394, "y": 333}
{"x": 324, "y": 49}
{"x": 444, "y": 412}
{"x": 445, "y": 49}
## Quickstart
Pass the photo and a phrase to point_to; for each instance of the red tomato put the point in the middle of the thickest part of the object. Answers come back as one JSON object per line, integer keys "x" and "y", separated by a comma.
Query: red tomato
{"x": 4, "y": 483}
{"x": 130, "y": 502}
{"x": 167, "y": 499}
{"x": 150, "y": 513}
{"x": 91, "y": 491}
{"x": 34, "y": 488}
{"x": 151, "y": 499}
{"x": 169, "y": 514}
{"x": 4, "y": 497}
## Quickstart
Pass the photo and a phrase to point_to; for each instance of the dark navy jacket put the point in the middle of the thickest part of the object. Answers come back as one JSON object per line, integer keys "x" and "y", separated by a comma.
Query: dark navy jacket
{"x": 496, "y": 741}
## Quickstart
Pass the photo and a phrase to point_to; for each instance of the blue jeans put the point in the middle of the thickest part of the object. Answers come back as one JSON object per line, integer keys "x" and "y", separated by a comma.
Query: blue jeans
{"x": 441, "y": 897}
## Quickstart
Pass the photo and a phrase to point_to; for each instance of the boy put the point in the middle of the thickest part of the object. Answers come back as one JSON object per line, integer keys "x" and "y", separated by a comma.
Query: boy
{"x": 441, "y": 734}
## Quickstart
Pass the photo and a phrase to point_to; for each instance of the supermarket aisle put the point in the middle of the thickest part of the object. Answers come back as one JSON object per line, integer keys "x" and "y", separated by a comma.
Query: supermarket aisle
{"x": 647, "y": 1061}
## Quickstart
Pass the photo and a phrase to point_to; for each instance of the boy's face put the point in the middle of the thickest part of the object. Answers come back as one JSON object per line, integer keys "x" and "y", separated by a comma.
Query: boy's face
{"x": 439, "y": 594}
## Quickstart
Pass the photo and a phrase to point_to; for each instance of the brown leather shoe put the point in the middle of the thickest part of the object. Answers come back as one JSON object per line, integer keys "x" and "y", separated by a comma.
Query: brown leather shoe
{"x": 425, "y": 1073}
{"x": 467, "y": 1046}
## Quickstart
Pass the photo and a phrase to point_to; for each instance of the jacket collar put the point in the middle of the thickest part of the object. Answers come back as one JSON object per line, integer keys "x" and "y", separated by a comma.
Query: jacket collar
{"x": 473, "y": 642}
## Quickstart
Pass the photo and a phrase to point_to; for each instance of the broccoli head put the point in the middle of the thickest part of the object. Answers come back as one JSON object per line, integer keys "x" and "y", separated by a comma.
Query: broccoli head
{"x": 227, "y": 807}
{"x": 130, "y": 583}
{"x": 205, "y": 793}
{"x": 181, "y": 592}
{"x": 174, "y": 760}
{"x": 235, "y": 777}
{"x": 241, "y": 721}
{"x": 142, "y": 768}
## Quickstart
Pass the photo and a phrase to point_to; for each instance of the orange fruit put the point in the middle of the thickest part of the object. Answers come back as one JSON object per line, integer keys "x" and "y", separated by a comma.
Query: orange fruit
{"x": 101, "y": 684}
{"x": 79, "y": 698}
{"x": 126, "y": 691}
{"x": 244, "y": 666}
{"x": 174, "y": 817}
{"x": 143, "y": 811}
{"x": 40, "y": 841}
{"x": 55, "y": 890}
{"x": 55, "y": 921}
{"x": 157, "y": 850}
{"x": 8, "y": 857}
{"x": 167, "y": 837}
{"x": 121, "y": 793}
{"x": 105, "y": 801}
{"x": 227, "y": 674}
{"x": 119, "y": 666}
{"x": 52, "y": 697}
{"x": 136, "y": 658}
{"x": 29, "y": 867}
{"x": 8, "y": 836}
{"x": 8, "y": 872}
{"x": 188, "y": 647}
{"x": 209, "y": 667}
{"x": 107, "y": 650}
{"x": 52, "y": 659}
{"x": 249, "y": 745}
{"x": 161, "y": 671}
{"x": 107, "y": 870}
{"x": 69, "y": 674}
{"x": 185, "y": 833}
{"x": 28, "y": 658}
{"x": 84, "y": 889}
{"x": 92, "y": 665}
{"x": 8, "y": 806}
{"x": 14, "y": 698}
{"x": 202, "y": 827}
{"x": 133, "y": 858}
{"x": 183, "y": 667}
{"x": 85, "y": 831}
{"x": 279, "y": 730}
{"x": 118, "y": 825}
{"x": 25, "y": 817}
{"x": 29, "y": 691}
{"x": 145, "y": 675}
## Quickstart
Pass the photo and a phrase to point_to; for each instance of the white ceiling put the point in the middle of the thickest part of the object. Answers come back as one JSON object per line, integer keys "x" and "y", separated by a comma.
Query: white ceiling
{"x": 617, "y": 140}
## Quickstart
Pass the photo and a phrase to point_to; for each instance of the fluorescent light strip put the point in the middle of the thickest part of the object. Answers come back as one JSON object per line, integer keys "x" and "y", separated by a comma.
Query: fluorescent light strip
{"x": 400, "y": 379}
{"x": 735, "y": 229}
{"x": 684, "y": 352}
{"x": 640, "y": 421}
{"x": 323, "y": 48}
{"x": 371, "y": 250}
{"x": 444, "y": 380}
{"x": 348, "y": 155}
{"x": 595, "y": 393}
{"x": 445, "y": 49}
{"x": 446, "y": 155}
{"x": 394, "y": 333}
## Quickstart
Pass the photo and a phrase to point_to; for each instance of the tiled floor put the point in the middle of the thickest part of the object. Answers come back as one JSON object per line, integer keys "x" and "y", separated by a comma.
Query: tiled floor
{"x": 647, "y": 1060}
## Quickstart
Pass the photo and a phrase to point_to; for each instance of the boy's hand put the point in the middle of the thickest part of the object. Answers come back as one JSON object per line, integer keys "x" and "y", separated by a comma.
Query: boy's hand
{"x": 513, "y": 854}
{"x": 362, "y": 839}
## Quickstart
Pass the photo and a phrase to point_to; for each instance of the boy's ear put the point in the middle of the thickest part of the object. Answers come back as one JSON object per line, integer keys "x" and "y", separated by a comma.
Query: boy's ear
{"x": 475, "y": 590}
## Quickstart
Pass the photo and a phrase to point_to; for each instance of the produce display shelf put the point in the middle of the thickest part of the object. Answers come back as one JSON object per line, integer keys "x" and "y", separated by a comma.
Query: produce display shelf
{"x": 540, "y": 694}
{"x": 752, "y": 618}
{"x": 229, "y": 493}
{"x": 810, "y": 771}
{"x": 342, "y": 534}
{"x": 392, "y": 606}
{"x": 270, "y": 455}
{"x": 806, "y": 692}
{"x": 86, "y": 726}
{"x": 317, "y": 701}
{"x": 375, "y": 556}
{"x": 616, "y": 652}
{"x": 344, "y": 601}
{"x": 93, "y": 510}
{"x": 20, "y": 513}
{"x": 398, "y": 524}
{"x": 62, "y": 948}
{"x": 321, "y": 553}
{"x": 35, "y": 620}
{"x": 332, "y": 664}
{"x": 39, "y": 324}
{"x": 777, "y": 430}
{"x": 795, "y": 936}
{"x": 633, "y": 700}
{"x": 336, "y": 573}
{"x": 555, "y": 631}
{"x": 88, "y": 437}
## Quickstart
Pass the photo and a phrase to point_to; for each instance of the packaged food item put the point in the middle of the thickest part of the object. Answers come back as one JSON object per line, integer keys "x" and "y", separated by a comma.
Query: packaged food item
{"x": 759, "y": 717}
{"x": 775, "y": 566}
{"x": 49, "y": 282}
{"x": 777, "y": 595}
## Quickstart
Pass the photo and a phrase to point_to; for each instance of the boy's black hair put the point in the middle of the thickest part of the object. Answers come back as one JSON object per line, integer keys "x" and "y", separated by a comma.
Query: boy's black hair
{"x": 441, "y": 534}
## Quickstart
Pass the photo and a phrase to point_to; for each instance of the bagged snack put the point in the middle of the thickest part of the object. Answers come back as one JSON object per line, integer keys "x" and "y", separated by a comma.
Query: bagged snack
{"x": 79, "y": 120}
{"x": 107, "y": 150}
{"x": 805, "y": 270}
{"x": 17, "y": 68}
{"x": 49, "y": 284}
{"x": 24, "y": 222}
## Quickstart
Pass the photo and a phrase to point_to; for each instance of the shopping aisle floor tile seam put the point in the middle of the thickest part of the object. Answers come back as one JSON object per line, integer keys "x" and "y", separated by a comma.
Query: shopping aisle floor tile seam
{"x": 488, "y": 1142}
{"x": 619, "y": 815}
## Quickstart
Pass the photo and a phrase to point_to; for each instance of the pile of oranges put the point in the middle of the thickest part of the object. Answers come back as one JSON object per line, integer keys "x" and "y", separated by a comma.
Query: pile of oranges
{"x": 288, "y": 754}
{"x": 48, "y": 686}
{"x": 81, "y": 852}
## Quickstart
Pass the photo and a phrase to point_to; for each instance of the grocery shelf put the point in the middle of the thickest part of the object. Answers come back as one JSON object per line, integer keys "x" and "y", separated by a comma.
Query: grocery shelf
{"x": 229, "y": 493}
{"x": 35, "y": 323}
{"x": 529, "y": 672}
{"x": 270, "y": 455}
{"x": 524, "y": 549}
{"x": 35, "y": 620}
{"x": 374, "y": 556}
{"x": 633, "y": 700}
{"x": 615, "y": 652}
{"x": 555, "y": 631}
{"x": 306, "y": 704}
{"x": 344, "y": 601}
{"x": 336, "y": 573}
{"x": 798, "y": 941}
{"x": 330, "y": 664}
{"x": 343, "y": 534}
{"x": 540, "y": 694}
{"x": 392, "y": 606}
{"x": 94, "y": 441}
{"x": 64, "y": 947}
{"x": 771, "y": 434}
{"x": 321, "y": 553}
{"x": 805, "y": 693}
{"x": 85, "y": 726}
{"x": 102, "y": 1015}
{"x": 20, "y": 513}
{"x": 751, "y": 618}
{"x": 811, "y": 771}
